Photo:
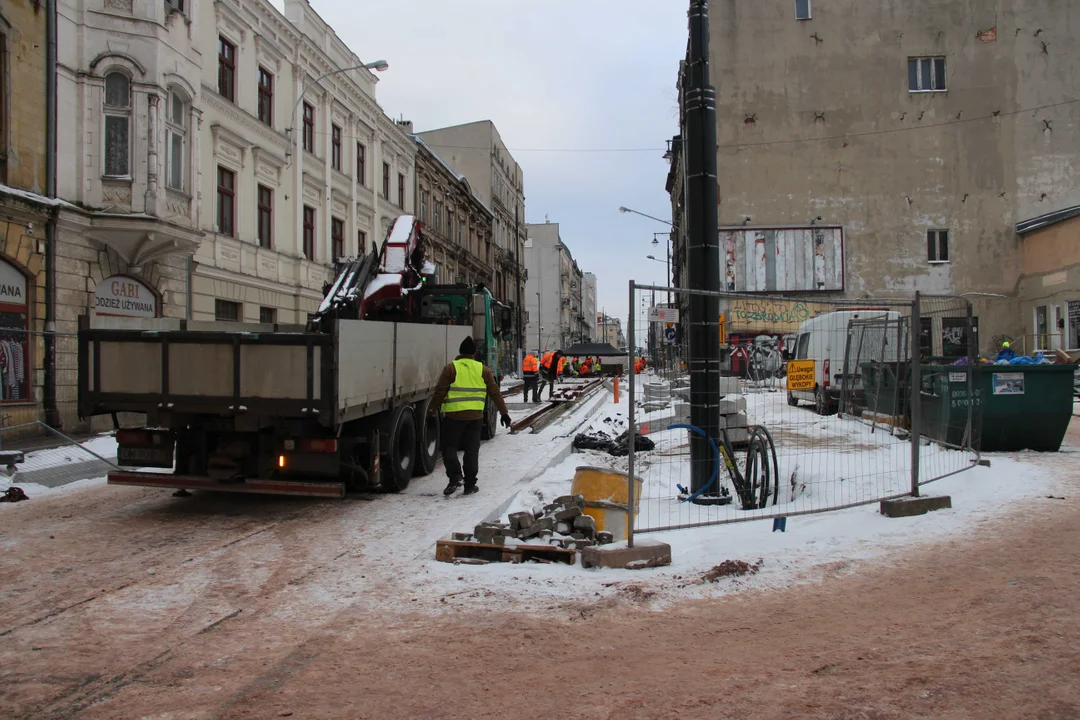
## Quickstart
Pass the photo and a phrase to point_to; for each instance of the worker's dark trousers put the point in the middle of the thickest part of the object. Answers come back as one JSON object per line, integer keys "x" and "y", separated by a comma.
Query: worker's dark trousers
{"x": 532, "y": 382}
{"x": 548, "y": 379}
{"x": 461, "y": 435}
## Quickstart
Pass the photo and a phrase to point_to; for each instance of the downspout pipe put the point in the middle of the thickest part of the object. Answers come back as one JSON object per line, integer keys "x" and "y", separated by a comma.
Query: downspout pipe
{"x": 52, "y": 415}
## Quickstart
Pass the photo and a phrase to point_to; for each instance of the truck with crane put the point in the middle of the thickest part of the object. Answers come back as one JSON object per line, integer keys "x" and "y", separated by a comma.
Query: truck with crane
{"x": 340, "y": 404}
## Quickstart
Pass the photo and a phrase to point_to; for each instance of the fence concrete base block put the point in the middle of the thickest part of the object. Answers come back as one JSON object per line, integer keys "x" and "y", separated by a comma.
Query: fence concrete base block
{"x": 911, "y": 506}
{"x": 644, "y": 554}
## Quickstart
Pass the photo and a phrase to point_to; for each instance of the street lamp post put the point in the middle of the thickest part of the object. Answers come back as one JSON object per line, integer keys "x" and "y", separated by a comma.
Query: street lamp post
{"x": 377, "y": 66}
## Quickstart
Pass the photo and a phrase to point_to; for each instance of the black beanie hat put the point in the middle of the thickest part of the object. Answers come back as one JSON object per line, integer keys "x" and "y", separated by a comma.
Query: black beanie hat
{"x": 467, "y": 347}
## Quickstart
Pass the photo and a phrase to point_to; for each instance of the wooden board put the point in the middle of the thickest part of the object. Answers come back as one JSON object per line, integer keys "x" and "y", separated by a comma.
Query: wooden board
{"x": 447, "y": 550}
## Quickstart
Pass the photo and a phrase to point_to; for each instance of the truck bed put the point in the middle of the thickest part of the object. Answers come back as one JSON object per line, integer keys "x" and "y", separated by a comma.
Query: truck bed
{"x": 358, "y": 369}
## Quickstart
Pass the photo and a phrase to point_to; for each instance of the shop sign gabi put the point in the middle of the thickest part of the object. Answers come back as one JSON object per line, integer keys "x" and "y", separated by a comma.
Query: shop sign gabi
{"x": 126, "y": 297}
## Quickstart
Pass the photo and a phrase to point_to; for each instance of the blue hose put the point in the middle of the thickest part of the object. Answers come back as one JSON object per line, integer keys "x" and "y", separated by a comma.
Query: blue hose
{"x": 716, "y": 457}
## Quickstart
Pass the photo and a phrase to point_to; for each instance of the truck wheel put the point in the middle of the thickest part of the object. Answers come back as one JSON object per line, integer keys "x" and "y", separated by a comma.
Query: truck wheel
{"x": 427, "y": 440}
{"x": 400, "y": 456}
{"x": 491, "y": 421}
{"x": 792, "y": 400}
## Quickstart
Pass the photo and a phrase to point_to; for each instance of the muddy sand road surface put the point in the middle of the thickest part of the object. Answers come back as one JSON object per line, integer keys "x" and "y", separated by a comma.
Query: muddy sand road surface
{"x": 128, "y": 603}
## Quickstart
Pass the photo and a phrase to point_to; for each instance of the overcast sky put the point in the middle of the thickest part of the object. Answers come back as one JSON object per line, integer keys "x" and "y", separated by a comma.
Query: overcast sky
{"x": 583, "y": 75}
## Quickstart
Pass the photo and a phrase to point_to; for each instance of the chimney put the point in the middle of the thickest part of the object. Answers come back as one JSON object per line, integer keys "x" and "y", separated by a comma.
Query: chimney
{"x": 405, "y": 125}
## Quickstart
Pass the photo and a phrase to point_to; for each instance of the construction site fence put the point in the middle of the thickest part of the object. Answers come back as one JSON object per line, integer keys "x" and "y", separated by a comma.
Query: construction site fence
{"x": 880, "y": 401}
{"x": 50, "y": 458}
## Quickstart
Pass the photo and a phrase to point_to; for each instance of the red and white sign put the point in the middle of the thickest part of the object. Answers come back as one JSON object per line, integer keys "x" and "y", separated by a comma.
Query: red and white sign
{"x": 126, "y": 297}
{"x": 663, "y": 314}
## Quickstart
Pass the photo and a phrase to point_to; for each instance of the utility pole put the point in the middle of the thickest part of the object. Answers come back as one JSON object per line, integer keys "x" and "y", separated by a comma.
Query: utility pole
{"x": 517, "y": 281}
{"x": 703, "y": 251}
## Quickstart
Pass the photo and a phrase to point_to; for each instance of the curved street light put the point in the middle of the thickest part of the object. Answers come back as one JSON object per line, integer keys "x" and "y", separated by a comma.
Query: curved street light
{"x": 631, "y": 210}
{"x": 377, "y": 66}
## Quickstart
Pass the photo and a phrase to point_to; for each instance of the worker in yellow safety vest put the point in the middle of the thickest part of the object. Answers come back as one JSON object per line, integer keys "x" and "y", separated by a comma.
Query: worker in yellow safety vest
{"x": 463, "y": 388}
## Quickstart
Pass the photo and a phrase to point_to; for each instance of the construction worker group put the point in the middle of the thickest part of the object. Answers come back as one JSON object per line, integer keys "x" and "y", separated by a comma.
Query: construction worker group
{"x": 552, "y": 367}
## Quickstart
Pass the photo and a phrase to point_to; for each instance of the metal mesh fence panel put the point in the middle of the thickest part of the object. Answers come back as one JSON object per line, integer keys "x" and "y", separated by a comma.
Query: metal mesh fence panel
{"x": 34, "y": 453}
{"x": 812, "y": 415}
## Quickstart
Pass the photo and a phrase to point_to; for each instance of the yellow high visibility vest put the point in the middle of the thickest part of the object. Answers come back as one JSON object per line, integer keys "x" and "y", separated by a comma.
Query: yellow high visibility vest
{"x": 468, "y": 391}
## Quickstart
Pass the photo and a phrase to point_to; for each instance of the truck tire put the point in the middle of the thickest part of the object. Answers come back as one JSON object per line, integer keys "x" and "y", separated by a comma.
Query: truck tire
{"x": 399, "y": 459}
{"x": 427, "y": 439}
{"x": 491, "y": 421}
{"x": 822, "y": 405}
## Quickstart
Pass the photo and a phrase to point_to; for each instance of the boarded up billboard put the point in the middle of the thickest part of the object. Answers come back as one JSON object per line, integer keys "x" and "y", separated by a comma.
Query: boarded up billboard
{"x": 808, "y": 259}
{"x": 747, "y": 315}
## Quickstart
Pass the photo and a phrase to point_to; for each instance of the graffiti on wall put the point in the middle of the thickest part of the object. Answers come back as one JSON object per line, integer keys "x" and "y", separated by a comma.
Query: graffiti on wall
{"x": 773, "y": 315}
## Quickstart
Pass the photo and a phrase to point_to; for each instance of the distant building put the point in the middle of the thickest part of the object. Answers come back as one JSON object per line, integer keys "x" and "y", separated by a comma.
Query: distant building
{"x": 875, "y": 169}
{"x": 554, "y": 292}
{"x": 609, "y": 330}
{"x": 588, "y": 305}
{"x": 476, "y": 151}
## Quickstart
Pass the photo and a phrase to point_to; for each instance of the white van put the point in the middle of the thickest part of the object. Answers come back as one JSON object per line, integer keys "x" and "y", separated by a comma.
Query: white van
{"x": 823, "y": 339}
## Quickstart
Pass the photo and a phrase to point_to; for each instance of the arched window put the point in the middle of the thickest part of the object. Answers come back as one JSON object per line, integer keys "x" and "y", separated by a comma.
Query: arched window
{"x": 176, "y": 138}
{"x": 117, "y": 125}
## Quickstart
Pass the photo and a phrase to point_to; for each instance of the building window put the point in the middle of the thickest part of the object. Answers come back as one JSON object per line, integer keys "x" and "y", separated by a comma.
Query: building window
{"x": 423, "y": 205}
{"x": 926, "y": 74}
{"x": 1073, "y": 309}
{"x": 226, "y": 77}
{"x": 309, "y": 128}
{"x": 268, "y": 315}
{"x": 226, "y": 200}
{"x": 117, "y": 125}
{"x": 4, "y": 122}
{"x": 361, "y": 242}
{"x": 401, "y": 190}
{"x": 361, "y": 164}
{"x": 228, "y": 311}
{"x": 460, "y": 231}
{"x": 386, "y": 180}
{"x": 802, "y": 9}
{"x": 309, "y": 232}
{"x": 335, "y": 148}
{"x": 266, "y": 96}
{"x": 1042, "y": 327}
{"x": 176, "y": 142}
{"x": 436, "y": 220}
{"x": 937, "y": 245}
{"x": 177, "y": 5}
{"x": 337, "y": 237}
{"x": 266, "y": 216}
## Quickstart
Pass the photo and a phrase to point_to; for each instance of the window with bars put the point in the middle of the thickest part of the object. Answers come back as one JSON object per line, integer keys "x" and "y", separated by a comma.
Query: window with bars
{"x": 337, "y": 237}
{"x": 268, "y": 315}
{"x": 266, "y": 216}
{"x": 176, "y": 141}
{"x": 226, "y": 198}
{"x": 335, "y": 147}
{"x": 361, "y": 164}
{"x": 309, "y": 128}
{"x": 937, "y": 246}
{"x": 401, "y": 190}
{"x": 266, "y": 96}
{"x": 226, "y": 69}
{"x": 386, "y": 180}
{"x": 926, "y": 74}
{"x": 117, "y": 108}
{"x": 309, "y": 232}
{"x": 228, "y": 311}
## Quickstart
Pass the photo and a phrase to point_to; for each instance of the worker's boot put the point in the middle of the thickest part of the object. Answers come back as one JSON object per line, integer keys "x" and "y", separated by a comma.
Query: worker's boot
{"x": 470, "y": 488}
{"x": 452, "y": 487}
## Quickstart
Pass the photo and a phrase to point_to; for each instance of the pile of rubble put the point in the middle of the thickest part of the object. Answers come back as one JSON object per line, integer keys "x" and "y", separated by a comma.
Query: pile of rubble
{"x": 562, "y": 523}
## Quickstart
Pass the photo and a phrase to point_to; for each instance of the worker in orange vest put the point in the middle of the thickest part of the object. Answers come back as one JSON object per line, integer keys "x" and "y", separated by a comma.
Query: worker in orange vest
{"x": 549, "y": 367}
{"x": 562, "y": 366}
{"x": 530, "y": 373}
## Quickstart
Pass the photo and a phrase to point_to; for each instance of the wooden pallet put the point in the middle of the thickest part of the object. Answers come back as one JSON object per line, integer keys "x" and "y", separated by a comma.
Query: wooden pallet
{"x": 447, "y": 550}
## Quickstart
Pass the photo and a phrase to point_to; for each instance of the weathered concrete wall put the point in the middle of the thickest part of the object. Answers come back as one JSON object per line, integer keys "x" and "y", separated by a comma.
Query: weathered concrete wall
{"x": 815, "y": 118}
{"x": 25, "y": 101}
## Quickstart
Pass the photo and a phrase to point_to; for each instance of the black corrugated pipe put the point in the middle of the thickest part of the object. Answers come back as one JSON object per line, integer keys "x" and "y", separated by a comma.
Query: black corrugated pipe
{"x": 52, "y": 416}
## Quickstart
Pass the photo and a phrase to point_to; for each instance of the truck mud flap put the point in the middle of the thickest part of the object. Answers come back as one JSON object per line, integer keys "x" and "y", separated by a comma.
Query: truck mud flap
{"x": 257, "y": 486}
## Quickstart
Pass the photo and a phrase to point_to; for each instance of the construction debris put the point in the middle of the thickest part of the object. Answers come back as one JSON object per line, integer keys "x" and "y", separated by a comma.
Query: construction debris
{"x": 561, "y": 525}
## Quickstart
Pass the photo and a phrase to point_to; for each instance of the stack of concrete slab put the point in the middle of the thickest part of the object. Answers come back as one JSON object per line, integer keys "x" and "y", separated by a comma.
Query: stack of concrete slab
{"x": 733, "y": 418}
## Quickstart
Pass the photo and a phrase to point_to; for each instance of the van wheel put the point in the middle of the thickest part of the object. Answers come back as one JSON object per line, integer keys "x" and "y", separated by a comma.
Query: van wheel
{"x": 427, "y": 440}
{"x": 399, "y": 459}
{"x": 491, "y": 421}
{"x": 792, "y": 400}
{"x": 821, "y": 403}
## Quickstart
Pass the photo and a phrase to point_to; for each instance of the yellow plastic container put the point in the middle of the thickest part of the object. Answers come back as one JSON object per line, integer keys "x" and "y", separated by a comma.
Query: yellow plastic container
{"x": 606, "y": 497}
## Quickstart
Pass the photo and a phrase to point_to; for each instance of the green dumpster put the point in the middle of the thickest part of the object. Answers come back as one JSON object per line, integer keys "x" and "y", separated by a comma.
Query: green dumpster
{"x": 1018, "y": 407}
